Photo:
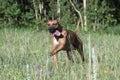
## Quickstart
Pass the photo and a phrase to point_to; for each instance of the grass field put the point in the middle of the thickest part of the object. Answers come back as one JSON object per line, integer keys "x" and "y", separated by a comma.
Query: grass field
{"x": 24, "y": 56}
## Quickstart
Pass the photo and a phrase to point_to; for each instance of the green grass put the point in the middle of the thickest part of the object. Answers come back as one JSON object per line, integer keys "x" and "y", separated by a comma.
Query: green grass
{"x": 24, "y": 55}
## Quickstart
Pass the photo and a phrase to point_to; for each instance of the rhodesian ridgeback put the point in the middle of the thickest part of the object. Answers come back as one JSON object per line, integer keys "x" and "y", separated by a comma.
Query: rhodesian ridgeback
{"x": 63, "y": 39}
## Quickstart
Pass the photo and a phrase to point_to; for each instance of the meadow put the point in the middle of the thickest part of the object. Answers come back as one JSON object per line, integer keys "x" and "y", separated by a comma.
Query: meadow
{"x": 24, "y": 56}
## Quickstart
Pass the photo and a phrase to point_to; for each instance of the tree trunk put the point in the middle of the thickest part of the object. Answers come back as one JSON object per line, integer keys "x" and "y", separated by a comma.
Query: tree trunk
{"x": 41, "y": 9}
{"x": 36, "y": 11}
{"x": 58, "y": 10}
{"x": 85, "y": 16}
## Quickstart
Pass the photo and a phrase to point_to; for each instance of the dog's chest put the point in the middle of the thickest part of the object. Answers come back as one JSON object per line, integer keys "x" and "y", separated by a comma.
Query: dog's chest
{"x": 56, "y": 41}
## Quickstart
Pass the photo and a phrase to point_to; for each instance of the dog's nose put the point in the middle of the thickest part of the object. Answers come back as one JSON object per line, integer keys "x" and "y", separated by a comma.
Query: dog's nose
{"x": 51, "y": 29}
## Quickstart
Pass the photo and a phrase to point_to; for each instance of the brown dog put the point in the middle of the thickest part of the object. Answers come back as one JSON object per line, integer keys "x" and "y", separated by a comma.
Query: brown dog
{"x": 63, "y": 39}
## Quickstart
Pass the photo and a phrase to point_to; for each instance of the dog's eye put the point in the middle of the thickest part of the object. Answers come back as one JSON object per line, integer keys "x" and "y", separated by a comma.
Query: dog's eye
{"x": 48, "y": 24}
{"x": 55, "y": 24}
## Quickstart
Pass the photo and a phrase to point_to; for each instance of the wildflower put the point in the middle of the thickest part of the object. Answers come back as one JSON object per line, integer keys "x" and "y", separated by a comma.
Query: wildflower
{"x": 36, "y": 65}
{"x": 105, "y": 71}
{"x": 38, "y": 73}
{"x": 48, "y": 71}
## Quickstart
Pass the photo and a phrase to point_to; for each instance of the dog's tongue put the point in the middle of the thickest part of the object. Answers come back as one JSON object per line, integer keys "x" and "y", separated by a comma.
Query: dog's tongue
{"x": 57, "y": 33}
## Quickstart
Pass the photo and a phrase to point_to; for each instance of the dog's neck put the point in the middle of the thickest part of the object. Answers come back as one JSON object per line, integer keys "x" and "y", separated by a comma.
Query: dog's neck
{"x": 60, "y": 28}
{"x": 58, "y": 31}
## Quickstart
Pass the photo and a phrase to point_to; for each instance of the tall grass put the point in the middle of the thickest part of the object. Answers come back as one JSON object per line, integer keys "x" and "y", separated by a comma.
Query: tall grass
{"x": 24, "y": 56}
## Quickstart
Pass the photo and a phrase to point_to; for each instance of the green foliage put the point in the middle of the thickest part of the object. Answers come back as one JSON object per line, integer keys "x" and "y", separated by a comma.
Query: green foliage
{"x": 100, "y": 14}
{"x": 53, "y": 9}
{"x": 65, "y": 13}
{"x": 112, "y": 30}
{"x": 12, "y": 11}
{"x": 68, "y": 15}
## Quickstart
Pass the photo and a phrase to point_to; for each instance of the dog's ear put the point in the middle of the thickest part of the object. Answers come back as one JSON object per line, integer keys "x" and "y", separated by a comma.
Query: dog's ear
{"x": 57, "y": 17}
{"x": 49, "y": 18}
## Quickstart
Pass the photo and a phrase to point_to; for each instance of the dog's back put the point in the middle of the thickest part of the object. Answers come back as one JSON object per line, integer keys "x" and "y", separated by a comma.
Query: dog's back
{"x": 73, "y": 40}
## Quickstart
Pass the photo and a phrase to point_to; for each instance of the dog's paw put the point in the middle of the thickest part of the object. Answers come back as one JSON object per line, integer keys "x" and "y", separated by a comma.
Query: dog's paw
{"x": 50, "y": 54}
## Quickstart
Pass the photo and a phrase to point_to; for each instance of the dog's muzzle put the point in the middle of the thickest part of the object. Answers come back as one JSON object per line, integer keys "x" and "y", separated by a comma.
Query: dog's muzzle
{"x": 52, "y": 29}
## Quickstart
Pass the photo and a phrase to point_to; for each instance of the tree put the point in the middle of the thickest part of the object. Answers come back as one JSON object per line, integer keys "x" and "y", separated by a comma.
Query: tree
{"x": 100, "y": 14}
{"x": 80, "y": 16}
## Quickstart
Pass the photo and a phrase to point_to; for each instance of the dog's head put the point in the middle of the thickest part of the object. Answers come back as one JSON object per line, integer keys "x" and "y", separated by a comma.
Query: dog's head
{"x": 52, "y": 25}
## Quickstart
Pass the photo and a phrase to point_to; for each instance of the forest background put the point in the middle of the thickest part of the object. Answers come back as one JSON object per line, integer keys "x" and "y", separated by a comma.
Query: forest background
{"x": 96, "y": 15}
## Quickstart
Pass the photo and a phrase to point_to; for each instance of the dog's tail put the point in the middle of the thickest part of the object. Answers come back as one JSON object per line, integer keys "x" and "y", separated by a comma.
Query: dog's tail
{"x": 77, "y": 25}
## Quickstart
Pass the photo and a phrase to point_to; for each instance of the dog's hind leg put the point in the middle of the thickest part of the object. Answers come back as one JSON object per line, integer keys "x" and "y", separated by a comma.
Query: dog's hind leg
{"x": 80, "y": 50}
{"x": 69, "y": 55}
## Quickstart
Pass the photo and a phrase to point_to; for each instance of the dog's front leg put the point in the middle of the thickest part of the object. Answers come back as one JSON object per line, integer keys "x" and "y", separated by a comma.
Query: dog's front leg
{"x": 59, "y": 47}
{"x": 54, "y": 51}
{"x": 54, "y": 56}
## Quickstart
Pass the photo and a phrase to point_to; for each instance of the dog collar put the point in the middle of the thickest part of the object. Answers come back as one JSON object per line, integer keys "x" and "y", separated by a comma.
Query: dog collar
{"x": 56, "y": 33}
